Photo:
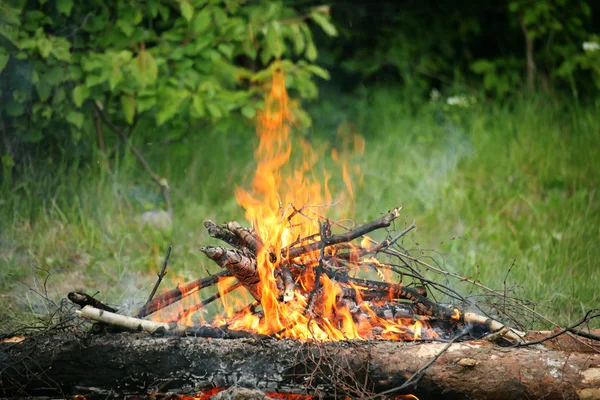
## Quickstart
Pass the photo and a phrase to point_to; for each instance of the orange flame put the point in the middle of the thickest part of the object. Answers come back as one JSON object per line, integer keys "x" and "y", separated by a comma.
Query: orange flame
{"x": 272, "y": 207}
{"x": 280, "y": 206}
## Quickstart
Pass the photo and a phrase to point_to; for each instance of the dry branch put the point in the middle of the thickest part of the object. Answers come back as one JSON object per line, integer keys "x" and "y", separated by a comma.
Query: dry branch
{"x": 383, "y": 222}
{"x": 238, "y": 265}
{"x": 174, "y": 295}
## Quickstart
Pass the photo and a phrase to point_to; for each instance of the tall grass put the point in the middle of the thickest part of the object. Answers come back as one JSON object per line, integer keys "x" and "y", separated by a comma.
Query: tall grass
{"x": 488, "y": 185}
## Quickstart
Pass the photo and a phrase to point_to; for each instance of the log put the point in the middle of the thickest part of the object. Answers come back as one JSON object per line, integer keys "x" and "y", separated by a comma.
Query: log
{"x": 139, "y": 364}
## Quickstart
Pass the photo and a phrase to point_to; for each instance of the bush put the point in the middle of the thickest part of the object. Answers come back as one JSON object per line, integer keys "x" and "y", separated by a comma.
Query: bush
{"x": 156, "y": 67}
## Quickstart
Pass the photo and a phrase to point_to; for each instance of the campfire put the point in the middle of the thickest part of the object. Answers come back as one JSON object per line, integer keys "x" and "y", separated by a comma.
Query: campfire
{"x": 308, "y": 277}
{"x": 321, "y": 308}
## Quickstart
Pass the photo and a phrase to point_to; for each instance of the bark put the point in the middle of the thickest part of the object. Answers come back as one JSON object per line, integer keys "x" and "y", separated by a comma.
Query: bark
{"x": 95, "y": 366}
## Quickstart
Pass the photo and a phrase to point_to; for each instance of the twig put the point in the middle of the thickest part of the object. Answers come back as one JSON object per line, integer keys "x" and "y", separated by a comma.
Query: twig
{"x": 594, "y": 313}
{"x": 174, "y": 295}
{"x": 383, "y": 222}
{"x": 414, "y": 379}
{"x": 157, "y": 179}
{"x": 323, "y": 228}
{"x": 205, "y": 302}
{"x": 82, "y": 300}
{"x": 160, "y": 275}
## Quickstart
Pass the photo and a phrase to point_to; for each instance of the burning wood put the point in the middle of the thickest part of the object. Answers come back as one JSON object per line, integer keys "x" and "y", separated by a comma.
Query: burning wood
{"x": 312, "y": 279}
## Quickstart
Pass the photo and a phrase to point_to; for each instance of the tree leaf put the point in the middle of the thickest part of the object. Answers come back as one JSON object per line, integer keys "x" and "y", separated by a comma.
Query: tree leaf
{"x": 116, "y": 76}
{"x": 311, "y": 51}
{"x": 128, "y": 105}
{"x": 145, "y": 68}
{"x": 248, "y": 111}
{"x": 320, "y": 72}
{"x": 75, "y": 118}
{"x": 187, "y": 11}
{"x": 43, "y": 89}
{"x": 201, "y": 21}
{"x": 80, "y": 93}
{"x": 214, "y": 111}
{"x": 145, "y": 103}
{"x": 323, "y": 21}
{"x": 61, "y": 49}
{"x": 64, "y": 6}
{"x": 198, "y": 105}
{"x": 170, "y": 105}
{"x": 44, "y": 46}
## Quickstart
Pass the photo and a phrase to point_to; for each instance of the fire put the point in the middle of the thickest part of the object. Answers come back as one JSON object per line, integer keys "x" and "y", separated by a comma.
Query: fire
{"x": 280, "y": 205}
{"x": 271, "y": 206}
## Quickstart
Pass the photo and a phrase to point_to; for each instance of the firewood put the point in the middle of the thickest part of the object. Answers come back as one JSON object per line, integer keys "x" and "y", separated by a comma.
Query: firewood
{"x": 65, "y": 365}
{"x": 383, "y": 222}
{"x": 174, "y": 295}
{"x": 238, "y": 265}
{"x": 82, "y": 300}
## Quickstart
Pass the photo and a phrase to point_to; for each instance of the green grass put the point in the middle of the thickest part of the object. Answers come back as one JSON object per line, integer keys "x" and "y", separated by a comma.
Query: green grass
{"x": 488, "y": 186}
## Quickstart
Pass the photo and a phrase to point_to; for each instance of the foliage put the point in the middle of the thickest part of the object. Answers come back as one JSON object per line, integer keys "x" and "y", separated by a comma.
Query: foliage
{"x": 162, "y": 66}
{"x": 431, "y": 44}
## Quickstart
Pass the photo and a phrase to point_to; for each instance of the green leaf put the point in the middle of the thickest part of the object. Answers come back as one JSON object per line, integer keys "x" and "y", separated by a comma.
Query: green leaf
{"x": 311, "y": 51}
{"x": 61, "y": 49}
{"x": 145, "y": 103}
{"x": 75, "y": 118}
{"x": 43, "y": 89}
{"x": 320, "y": 72}
{"x": 227, "y": 50}
{"x": 201, "y": 21}
{"x": 248, "y": 111}
{"x": 198, "y": 105}
{"x": 171, "y": 105}
{"x": 128, "y": 105}
{"x": 298, "y": 38}
{"x": 80, "y": 93}
{"x": 44, "y": 46}
{"x": 214, "y": 111}
{"x": 3, "y": 58}
{"x": 145, "y": 69}
{"x": 64, "y": 6}
{"x": 126, "y": 27}
{"x": 323, "y": 21}
{"x": 187, "y": 11}
{"x": 116, "y": 76}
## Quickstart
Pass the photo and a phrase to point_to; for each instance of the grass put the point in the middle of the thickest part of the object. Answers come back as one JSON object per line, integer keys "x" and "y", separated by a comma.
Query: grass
{"x": 489, "y": 186}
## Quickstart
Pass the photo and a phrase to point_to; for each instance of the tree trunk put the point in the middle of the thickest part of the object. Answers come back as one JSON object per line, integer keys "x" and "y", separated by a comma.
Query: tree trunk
{"x": 136, "y": 363}
{"x": 531, "y": 68}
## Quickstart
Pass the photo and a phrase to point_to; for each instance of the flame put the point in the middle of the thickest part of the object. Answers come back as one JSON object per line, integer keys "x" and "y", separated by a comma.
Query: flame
{"x": 278, "y": 207}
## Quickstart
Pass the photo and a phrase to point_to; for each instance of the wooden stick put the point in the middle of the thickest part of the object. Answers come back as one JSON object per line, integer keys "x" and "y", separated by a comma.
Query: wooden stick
{"x": 82, "y": 300}
{"x": 144, "y": 325}
{"x": 238, "y": 264}
{"x": 174, "y": 295}
{"x": 131, "y": 323}
{"x": 160, "y": 275}
{"x": 383, "y": 222}
{"x": 204, "y": 302}
{"x": 224, "y": 234}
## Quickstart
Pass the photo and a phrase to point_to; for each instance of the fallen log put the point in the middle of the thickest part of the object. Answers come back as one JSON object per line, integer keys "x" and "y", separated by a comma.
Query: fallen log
{"x": 140, "y": 364}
